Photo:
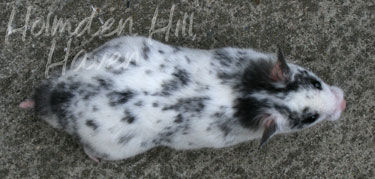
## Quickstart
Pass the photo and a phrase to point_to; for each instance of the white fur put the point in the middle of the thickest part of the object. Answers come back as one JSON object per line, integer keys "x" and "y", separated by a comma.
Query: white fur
{"x": 152, "y": 121}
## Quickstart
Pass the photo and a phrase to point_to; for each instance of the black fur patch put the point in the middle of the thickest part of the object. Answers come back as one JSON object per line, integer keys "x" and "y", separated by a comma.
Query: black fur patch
{"x": 176, "y": 49}
{"x": 161, "y": 51}
{"x": 132, "y": 62}
{"x": 249, "y": 111}
{"x": 225, "y": 129}
{"x": 41, "y": 98}
{"x": 178, "y": 118}
{"x": 88, "y": 91}
{"x": 187, "y": 59}
{"x": 180, "y": 79}
{"x": 139, "y": 103}
{"x": 148, "y": 72}
{"x": 257, "y": 76}
{"x": 59, "y": 100}
{"x": 223, "y": 57}
{"x": 125, "y": 139}
{"x": 182, "y": 76}
{"x": 184, "y": 105}
{"x": 118, "y": 98}
{"x": 129, "y": 118}
{"x": 92, "y": 124}
{"x": 104, "y": 83}
{"x": 117, "y": 71}
{"x": 292, "y": 116}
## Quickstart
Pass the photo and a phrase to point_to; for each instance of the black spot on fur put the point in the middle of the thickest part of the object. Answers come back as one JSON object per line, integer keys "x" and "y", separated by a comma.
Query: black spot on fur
{"x": 74, "y": 86}
{"x": 169, "y": 133}
{"x": 148, "y": 72}
{"x": 223, "y": 57}
{"x": 129, "y": 118}
{"x": 132, "y": 62}
{"x": 161, "y": 51}
{"x": 121, "y": 59}
{"x": 225, "y": 129}
{"x": 92, "y": 124}
{"x": 225, "y": 76}
{"x": 176, "y": 49}
{"x": 116, "y": 71}
{"x": 118, "y": 98}
{"x": 145, "y": 50}
{"x": 139, "y": 103}
{"x": 94, "y": 108}
{"x": 180, "y": 79}
{"x": 155, "y": 104}
{"x": 184, "y": 105}
{"x": 125, "y": 139}
{"x": 104, "y": 83}
{"x": 178, "y": 118}
{"x": 187, "y": 59}
{"x": 182, "y": 75}
{"x": 218, "y": 114}
{"x": 88, "y": 92}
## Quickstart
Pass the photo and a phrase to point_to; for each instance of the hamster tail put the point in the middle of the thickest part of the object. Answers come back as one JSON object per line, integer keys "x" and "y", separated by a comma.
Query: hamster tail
{"x": 27, "y": 104}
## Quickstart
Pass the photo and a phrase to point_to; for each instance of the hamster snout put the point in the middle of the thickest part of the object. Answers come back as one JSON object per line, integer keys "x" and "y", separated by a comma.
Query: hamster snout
{"x": 340, "y": 102}
{"x": 339, "y": 94}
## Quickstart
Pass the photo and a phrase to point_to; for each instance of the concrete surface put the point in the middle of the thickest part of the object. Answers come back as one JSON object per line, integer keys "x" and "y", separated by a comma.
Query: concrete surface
{"x": 336, "y": 39}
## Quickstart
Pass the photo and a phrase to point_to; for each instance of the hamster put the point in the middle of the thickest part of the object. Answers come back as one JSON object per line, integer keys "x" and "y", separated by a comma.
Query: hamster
{"x": 134, "y": 93}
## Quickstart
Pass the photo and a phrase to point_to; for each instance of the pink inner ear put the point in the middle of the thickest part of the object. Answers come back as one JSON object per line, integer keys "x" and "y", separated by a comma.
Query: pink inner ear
{"x": 268, "y": 123}
{"x": 277, "y": 73}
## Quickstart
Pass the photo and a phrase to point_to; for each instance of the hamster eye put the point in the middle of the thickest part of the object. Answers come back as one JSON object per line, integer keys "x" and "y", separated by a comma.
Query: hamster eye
{"x": 316, "y": 84}
{"x": 310, "y": 118}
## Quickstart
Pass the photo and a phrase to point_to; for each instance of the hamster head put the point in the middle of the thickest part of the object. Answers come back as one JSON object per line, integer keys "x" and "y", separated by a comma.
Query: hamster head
{"x": 279, "y": 97}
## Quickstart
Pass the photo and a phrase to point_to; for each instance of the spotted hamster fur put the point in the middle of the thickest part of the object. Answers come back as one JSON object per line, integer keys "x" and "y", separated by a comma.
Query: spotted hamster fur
{"x": 135, "y": 93}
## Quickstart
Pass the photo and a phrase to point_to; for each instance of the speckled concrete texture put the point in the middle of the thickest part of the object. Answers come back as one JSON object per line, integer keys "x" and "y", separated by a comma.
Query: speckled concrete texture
{"x": 335, "y": 39}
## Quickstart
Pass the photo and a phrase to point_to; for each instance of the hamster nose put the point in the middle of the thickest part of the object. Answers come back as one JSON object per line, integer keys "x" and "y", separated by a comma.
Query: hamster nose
{"x": 339, "y": 94}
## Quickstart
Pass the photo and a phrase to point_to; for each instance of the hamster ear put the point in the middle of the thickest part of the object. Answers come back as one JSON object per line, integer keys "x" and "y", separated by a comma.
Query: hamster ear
{"x": 280, "y": 71}
{"x": 270, "y": 128}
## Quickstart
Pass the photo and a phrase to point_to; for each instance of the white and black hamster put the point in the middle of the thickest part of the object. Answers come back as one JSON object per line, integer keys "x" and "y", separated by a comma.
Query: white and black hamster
{"x": 134, "y": 93}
